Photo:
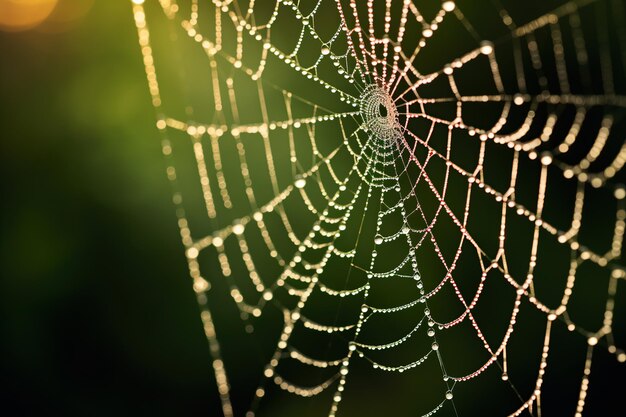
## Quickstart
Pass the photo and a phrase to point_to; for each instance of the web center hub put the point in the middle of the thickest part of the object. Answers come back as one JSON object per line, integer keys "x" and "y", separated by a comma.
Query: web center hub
{"x": 379, "y": 113}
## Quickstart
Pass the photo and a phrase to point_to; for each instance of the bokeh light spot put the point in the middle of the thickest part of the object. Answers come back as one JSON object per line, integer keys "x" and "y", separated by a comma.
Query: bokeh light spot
{"x": 19, "y": 15}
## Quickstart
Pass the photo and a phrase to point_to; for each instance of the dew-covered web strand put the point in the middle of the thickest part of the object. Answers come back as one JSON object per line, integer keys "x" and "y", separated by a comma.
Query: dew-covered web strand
{"x": 318, "y": 222}
{"x": 405, "y": 171}
{"x": 372, "y": 70}
{"x": 449, "y": 393}
{"x": 351, "y": 265}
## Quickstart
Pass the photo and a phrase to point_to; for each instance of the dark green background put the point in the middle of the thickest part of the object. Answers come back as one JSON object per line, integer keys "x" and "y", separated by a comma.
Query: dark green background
{"x": 98, "y": 318}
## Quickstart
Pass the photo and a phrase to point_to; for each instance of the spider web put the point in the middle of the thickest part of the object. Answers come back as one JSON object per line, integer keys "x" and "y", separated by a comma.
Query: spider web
{"x": 396, "y": 193}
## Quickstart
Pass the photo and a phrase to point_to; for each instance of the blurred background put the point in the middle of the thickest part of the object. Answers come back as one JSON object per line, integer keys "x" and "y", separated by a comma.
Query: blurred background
{"x": 97, "y": 317}
{"x": 97, "y": 314}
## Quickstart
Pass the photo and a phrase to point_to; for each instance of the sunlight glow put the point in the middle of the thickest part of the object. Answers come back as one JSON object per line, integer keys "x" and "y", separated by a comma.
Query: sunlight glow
{"x": 20, "y": 15}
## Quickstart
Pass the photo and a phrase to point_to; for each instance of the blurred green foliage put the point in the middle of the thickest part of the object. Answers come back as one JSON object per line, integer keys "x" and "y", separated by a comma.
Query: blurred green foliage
{"x": 97, "y": 317}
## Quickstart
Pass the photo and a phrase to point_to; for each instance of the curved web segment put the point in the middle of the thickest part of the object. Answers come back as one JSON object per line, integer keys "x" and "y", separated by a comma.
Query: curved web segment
{"x": 321, "y": 207}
